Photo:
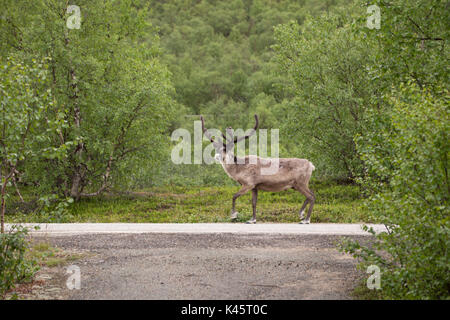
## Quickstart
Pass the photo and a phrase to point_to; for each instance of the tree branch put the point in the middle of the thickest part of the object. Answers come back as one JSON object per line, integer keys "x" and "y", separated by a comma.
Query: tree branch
{"x": 105, "y": 181}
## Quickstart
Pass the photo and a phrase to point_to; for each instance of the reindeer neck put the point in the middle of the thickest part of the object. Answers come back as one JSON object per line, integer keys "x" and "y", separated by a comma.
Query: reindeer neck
{"x": 229, "y": 159}
{"x": 229, "y": 164}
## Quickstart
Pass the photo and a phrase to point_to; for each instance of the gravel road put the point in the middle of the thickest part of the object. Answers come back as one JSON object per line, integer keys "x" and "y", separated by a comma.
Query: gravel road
{"x": 208, "y": 266}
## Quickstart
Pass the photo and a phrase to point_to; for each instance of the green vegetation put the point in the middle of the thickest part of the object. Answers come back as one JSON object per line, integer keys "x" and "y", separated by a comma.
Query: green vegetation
{"x": 109, "y": 85}
{"x": 361, "y": 292}
{"x": 336, "y": 203}
{"x": 405, "y": 152}
{"x": 27, "y": 120}
{"x": 15, "y": 266}
{"x": 414, "y": 254}
{"x": 326, "y": 63}
{"x": 46, "y": 255}
{"x": 22, "y": 259}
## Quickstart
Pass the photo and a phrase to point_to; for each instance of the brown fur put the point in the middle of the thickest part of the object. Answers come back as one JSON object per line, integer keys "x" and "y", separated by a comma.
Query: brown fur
{"x": 291, "y": 173}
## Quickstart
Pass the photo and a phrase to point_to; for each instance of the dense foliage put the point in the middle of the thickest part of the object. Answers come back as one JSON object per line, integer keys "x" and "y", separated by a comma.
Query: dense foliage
{"x": 13, "y": 264}
{"x": 221, "y": 56}
{"x": 108, "y": 83}
{"x": 412, "y": 198}
{"x": 28, "y": 119}
{"x": 328, "y": 65}
{"x": 405, "y": 151}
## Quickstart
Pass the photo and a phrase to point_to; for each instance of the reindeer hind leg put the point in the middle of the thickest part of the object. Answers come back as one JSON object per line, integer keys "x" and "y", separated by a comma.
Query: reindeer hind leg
{"x": 310, "y": 198}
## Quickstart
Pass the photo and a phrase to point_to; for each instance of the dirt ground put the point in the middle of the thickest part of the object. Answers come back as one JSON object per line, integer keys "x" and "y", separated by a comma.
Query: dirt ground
{"x": 202, "y": 266}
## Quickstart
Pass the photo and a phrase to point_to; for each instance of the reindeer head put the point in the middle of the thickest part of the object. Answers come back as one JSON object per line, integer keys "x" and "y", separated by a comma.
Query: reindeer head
{"x": 225, "y": 147}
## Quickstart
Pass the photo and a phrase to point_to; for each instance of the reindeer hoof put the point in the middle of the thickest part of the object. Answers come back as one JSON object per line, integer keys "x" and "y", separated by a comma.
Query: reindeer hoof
{"x": 304, "y": 222}
{"x": 234, "y": 215}
{"x": 253, "y": 221}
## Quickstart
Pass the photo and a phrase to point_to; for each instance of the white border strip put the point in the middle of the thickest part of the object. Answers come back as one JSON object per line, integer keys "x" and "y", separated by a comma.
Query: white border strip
{"x": 199, "y": 228}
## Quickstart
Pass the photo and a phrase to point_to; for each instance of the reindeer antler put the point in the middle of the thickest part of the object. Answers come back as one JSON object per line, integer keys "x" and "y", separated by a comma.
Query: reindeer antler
{"x": 236, "y": 139}
{"x": 206, "y": 133}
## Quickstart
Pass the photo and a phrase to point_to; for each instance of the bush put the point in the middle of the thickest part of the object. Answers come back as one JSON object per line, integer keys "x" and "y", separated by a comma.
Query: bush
{"x": 328, "y": 68}
{"x": 54, "y": 210}
{"x": 14, "y": 266}
{"x": 407, "y": 172}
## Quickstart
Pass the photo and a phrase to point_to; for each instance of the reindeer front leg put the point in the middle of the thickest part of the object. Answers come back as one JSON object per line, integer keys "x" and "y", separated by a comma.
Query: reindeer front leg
{"x": 244, "y": 190}
{"x": 254, "y": 199}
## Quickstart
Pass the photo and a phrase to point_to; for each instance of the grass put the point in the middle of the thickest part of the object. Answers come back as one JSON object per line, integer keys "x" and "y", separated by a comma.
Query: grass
{"x": 334, "y": 203}
{"x": 46, "y": 255}
{"x": 361, "y": 292}
{"x": 41, "y": 255}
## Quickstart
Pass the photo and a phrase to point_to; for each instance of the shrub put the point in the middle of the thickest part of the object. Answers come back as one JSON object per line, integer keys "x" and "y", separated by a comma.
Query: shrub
{"x": 407, "y": 173}
{"x": 14, "y": 266}
{"x": 328, "y": 67}
{"x": 54, "y": 209}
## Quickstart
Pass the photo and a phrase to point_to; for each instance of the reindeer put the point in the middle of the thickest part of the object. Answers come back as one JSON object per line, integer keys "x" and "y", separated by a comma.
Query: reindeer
{"x": 248, "y": 171}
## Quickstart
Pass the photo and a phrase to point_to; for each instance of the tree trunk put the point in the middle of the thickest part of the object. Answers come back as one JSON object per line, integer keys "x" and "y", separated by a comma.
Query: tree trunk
{"x": 77, "y": 177}
{"x": 3, "y": 204}
{"x": 76, "y": 182}
{"x": 2, "y": 218}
